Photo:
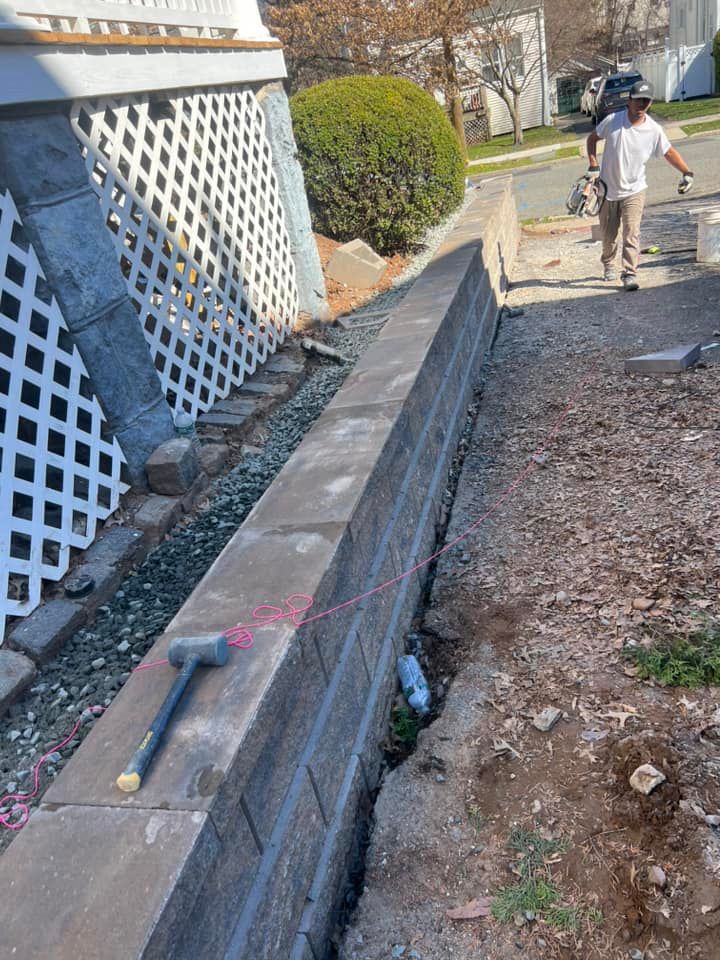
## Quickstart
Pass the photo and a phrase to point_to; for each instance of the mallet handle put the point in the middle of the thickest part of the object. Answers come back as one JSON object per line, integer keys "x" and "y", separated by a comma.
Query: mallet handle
{"x": 131, "y": 778}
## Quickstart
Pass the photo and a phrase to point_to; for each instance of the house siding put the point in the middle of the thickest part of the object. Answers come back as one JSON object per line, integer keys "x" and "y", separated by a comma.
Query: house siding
{"x": 534, "y": 100}
{"x": 693, "y": 22}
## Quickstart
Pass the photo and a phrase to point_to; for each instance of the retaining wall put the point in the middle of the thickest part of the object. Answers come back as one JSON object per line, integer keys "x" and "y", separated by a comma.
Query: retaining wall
{"x": 238, "y": 843}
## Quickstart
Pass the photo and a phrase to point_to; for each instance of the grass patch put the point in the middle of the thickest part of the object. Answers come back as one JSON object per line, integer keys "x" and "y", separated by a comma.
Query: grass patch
{"x": 562, "y": 154}
{"x": 535, "y": 896}
{"x": 692, "y": 128}
{"x": 677, "y": 110}
{"x": 475, "y": 817}
{"x": 692, "y": 661}
{"x": 537, "y": 137}
{"x": 405, "y": 726}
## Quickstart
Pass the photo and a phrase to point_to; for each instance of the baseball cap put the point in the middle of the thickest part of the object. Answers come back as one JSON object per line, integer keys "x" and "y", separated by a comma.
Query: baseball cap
{"x": 642, "y": 90}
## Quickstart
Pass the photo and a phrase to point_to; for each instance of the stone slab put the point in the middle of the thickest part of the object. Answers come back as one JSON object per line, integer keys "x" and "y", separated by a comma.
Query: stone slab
{"x": 156, "y": 516}
{"x": 229, "y": 421}
{"x": 239, "y": 407}
{"x": 16, "y": 675}
{"x": 281, "y": 363}
{"x": 41, "y": 635}
{"x": 106, "y": 577}
{"x": 356, "y": 265}
{"x": 172, "y": 467}
{"x": 200, "y": 485}
{"x": 265, "y": 389}
{"x": 301, "y": 949}
{"x": 110, "y": 883}
{"x": 118, "y": 547}
{"x": 674, "y": 360}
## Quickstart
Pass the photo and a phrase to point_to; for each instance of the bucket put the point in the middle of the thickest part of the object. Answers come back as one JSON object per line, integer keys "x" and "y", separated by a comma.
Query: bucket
{"x": 708, "y": 242}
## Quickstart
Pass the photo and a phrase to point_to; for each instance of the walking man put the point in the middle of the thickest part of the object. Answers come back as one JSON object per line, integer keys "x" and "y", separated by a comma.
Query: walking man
{"x": 631, "y": 138}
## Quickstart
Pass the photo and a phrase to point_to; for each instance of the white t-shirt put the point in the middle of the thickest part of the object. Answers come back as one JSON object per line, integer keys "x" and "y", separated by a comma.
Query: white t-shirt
{"x": 627, "y": 149}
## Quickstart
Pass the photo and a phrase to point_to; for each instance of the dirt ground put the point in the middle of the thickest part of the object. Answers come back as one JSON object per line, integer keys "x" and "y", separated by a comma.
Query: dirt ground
{"x": 613, "y": 533}
{"x": 343, "y": 299}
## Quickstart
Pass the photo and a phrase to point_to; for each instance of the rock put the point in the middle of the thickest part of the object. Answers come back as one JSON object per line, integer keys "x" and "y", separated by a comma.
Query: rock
{"x": 13, "y": 735}
{"x": 11, "y": 787}
{"x": 98, "y": 664}
{"x": 646, "y": 778}
{"x": 642, "y": 604}
{"x": 123, "y": 646}
{"x": 712, "y": 820}
{"x": 27, "y": 733}
{"x": 439, "y": 778}
{"x": 16, "y": 674}
{"x": 547, "y": 719}
{"x": 562, "y": 597}
{"x": 398, "y": 951}
{"x": 172, "y": 467}
{"x": 656, "y": 876}
{"x": 213, "y": 457}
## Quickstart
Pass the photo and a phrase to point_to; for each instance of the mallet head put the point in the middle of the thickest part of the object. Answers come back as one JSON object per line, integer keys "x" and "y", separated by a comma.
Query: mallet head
{"x": 212, "y": 651}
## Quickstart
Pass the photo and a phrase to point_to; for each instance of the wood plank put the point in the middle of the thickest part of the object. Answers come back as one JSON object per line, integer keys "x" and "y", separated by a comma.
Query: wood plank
{"x": 43, "y": 38}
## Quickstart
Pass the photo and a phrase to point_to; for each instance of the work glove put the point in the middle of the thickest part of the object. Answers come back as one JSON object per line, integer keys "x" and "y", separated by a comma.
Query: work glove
{"x": 592, "y": 173}
{"x": 686, "y": 183}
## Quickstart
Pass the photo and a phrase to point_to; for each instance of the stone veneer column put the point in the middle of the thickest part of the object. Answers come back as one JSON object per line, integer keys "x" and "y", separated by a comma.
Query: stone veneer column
{"x": 40, "y": 162}
{"x": 311, "y": 283}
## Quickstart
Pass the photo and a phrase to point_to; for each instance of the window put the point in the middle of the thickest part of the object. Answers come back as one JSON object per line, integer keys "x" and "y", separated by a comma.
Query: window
{"x": 500, "y": 56}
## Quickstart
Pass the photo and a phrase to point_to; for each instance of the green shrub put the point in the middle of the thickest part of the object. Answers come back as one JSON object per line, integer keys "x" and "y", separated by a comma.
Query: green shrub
{"x": 380, "y": 158}
{"x": 716, "y": 55}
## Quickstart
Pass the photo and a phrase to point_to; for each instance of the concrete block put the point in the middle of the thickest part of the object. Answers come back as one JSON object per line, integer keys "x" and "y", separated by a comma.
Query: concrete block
{"x": 156, "y": 516}
{"x": 267, "y": 931}
{"x": 41, "y": 635}
{"x": 301, "y": 949}
{"x": 172, "y": 467}
{"x": 356, "y": 265}
{"x": 222, "y": 896}
{"x": 673, "y": 360}
{"x": 134, "y": 877}
{"x": 340, "y": 852}
{"x": 16, "y": 675}
{"x": 213, "y": 457}
{"x": 141, "y": 436}
{"x": 341, "y": 712}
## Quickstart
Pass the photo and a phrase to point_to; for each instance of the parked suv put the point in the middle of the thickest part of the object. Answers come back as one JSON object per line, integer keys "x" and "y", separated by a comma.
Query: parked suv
{"x": 588, "y": 98}
{"x": 613, "y": 94}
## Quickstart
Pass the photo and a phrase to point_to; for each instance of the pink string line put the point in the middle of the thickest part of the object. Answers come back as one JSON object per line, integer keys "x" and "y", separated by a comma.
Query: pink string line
{"x": 21, "y": 809}
{"x": 241, "y": 635}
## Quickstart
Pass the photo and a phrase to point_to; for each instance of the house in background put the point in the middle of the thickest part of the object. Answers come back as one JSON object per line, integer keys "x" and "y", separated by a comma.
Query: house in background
{"x": 525, "y": 51}
{"x": 685, "y": 68}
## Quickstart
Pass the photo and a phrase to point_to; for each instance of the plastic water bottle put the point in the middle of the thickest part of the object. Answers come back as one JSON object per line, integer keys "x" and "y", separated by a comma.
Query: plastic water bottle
{"x": 413, "y": 683}
{"x": 185, "y": 427}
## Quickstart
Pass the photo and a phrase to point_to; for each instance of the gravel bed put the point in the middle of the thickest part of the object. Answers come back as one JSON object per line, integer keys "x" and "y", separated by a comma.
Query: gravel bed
{"x": 96, "y": 661}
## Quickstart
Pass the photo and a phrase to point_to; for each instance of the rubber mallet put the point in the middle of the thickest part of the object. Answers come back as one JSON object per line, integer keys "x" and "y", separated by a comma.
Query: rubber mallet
{"x": 186, "y": 653}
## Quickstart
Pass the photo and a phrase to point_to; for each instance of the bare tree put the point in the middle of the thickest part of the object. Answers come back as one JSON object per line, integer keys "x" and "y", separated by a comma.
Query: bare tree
{"x": 504, "y": 51}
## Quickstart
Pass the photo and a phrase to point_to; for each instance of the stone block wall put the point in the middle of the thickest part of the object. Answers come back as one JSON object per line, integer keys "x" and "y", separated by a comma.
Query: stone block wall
{"x": 238, "y": 843}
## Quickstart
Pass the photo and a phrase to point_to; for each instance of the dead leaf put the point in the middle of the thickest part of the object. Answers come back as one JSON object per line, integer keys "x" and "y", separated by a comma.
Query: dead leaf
{"x": 482, "y": 907}
{"x": 642, "y": 603}
{"x": 502, "y": 746}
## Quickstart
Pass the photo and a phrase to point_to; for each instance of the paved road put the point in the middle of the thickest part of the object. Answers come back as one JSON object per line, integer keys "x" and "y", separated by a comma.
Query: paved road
{"x": 541, "y": 190}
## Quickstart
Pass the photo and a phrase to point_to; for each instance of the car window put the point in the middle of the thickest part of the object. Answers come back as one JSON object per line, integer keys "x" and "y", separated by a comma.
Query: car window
{"x": 615, "y": 82}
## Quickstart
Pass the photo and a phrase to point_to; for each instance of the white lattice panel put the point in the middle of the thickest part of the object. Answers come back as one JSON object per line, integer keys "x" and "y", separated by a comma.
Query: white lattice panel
{"x": 187, "y": 187}
{"x": 58, "y": 475}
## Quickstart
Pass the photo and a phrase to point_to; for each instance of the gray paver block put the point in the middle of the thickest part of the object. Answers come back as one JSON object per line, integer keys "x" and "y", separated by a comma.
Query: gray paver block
{"x": 356, "y": 265}
{"x": 230, "y": 421}
{"x": 16, "y": 674}
{"x": 106, "y": 577}
{"x": 188, "y": 500}
{"x": 213, "y": 457}
{"x": 665, "y": 361}
{"x": 111, "y": 882}
{"x": 281, "y": 363}
{"x": 41, "y": 635}
{"x": 266, "y": 389}
{"x": 118, "y": 547}
{"x": 173, "y": 467}
{"x": 239, "y": 407}
{"x": 156, "y": 516}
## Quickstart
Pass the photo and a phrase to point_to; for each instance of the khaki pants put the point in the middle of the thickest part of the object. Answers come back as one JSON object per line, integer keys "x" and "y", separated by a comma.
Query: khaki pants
{"x": 629, "y": 212}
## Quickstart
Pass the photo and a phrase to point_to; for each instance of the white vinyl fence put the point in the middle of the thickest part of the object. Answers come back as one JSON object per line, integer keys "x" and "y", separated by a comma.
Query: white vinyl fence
{"x": 188, "y": 190}
{"x": 678, "y": 74}
{"x": 58, "y": 474}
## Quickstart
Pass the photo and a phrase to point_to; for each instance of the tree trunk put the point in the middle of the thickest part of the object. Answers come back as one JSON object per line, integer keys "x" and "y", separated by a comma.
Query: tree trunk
{"x": 517, "y": 119}
{"x": 452, "y": 91}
